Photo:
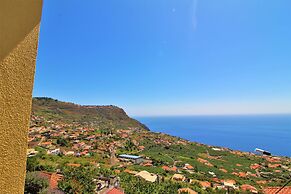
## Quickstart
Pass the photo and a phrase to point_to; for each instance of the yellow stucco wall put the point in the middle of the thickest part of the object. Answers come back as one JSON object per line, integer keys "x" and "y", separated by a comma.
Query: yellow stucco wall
{"x": 19, "y": 29}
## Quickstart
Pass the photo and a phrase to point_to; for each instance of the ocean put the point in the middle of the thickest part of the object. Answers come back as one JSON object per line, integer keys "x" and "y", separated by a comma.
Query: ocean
{"x": 245, "y": 133}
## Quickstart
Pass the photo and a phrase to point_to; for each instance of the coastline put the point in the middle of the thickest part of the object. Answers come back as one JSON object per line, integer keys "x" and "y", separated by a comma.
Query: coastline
{"x": 236, "y": 132}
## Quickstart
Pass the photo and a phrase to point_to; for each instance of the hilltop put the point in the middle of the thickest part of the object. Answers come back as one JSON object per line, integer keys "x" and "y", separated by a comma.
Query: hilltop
{"x": 84, "y": 143}
{"x": 65, "y": 112}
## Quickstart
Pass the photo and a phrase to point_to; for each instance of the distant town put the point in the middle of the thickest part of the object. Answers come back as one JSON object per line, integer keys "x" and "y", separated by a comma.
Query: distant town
{"x": 81, "y": 149}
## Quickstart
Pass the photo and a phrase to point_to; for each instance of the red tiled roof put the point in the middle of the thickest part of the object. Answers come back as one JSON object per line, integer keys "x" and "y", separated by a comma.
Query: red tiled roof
{"x": 247, "y": 187}
{"x": 189, "y": 167}
{"x": 203, "y": 161}
{"x": 274, "y": 165}
{"x": 73, "y": 165}
{"x": 130, "y": 171}
{"x": 235, "y": 173}
{"x": 230, "y": 181}
{"x": 255, "y": 166}
{"x": 147, "y": 164}
{"x": 55, "y": 178}
{"x": 205, "y": 184}
{"x": 242, "y": 174}
{"x": 115, "y": 191}
{"x": 174, "y": 168}
{"x": 274, "y": 190}
{"x": 215, "y": 179}
{"x": 223, "y": 170}
{"x": 46, "y": 143}
{"x": 166, "y": 168}
{"x": 274, "y": 159}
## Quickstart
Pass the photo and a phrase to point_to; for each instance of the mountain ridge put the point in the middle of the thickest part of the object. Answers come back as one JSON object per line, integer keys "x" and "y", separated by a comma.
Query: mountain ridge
{"x": 53, "y": 109}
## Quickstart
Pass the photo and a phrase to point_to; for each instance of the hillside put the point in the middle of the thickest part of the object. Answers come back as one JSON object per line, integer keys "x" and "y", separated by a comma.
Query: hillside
{"x": 105, "y": 116}
{"x": 82, "y": 143}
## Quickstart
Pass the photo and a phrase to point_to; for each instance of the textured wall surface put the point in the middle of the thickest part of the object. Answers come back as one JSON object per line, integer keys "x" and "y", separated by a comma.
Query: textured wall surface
{"x": 19, "y": 28}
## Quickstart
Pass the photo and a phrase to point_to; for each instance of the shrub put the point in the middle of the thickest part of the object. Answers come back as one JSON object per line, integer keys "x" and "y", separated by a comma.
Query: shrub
{"x": 35, "y": 184}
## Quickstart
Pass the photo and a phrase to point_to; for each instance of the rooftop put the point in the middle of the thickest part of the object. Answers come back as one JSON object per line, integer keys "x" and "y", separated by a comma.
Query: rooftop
{"x": 115, "y": 191}
{"x": 274, "y": 190}
{"x": 129, "y": 156}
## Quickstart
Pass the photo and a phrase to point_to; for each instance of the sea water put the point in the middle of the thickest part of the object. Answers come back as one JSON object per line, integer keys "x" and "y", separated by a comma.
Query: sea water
{"x": 245, "y": 133}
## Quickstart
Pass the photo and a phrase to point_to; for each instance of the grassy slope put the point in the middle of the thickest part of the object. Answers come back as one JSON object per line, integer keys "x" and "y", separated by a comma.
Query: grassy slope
{"x": 106, "y": 116}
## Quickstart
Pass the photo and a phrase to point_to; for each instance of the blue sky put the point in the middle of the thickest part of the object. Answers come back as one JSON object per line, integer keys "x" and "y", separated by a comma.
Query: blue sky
{"x": 168, "y": 57}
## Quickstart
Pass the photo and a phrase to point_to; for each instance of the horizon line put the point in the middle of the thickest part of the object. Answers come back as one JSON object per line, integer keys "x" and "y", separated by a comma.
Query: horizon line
{"x": 231, "y": 114}
{"x": 173, "y": 115}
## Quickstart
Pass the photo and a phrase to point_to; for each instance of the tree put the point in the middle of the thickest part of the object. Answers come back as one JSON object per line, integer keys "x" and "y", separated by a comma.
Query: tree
{"x": 77, "y": 180}
{"x": 32, "y": 164}
{"x": 35, "y": 184}
{"x": 129, "y": 146}
{"x": 62, "y": 142}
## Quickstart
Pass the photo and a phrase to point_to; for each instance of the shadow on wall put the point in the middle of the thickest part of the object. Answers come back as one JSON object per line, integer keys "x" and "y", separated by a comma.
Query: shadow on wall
{"x": 14, "y": 18}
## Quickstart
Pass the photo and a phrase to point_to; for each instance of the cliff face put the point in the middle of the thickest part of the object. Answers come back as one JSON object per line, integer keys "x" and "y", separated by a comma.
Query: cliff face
{"x": 64, "y": 112}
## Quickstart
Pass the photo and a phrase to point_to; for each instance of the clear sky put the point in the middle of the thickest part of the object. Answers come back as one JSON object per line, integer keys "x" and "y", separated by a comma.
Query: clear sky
{"x": 168, "y": 57}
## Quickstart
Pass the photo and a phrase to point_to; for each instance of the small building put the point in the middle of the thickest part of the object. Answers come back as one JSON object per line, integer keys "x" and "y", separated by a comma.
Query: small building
{"x": 115, "y": 191}
{"x": 134, "y": 159}
{"x": 188, "y": 167}
{"x": 69, "y": 153}
{"x": 178, "y": 177}
{"x": 130, "y": 171}
{"x": 249, "y": 188}
{"x": 186, "y": 190}
{"x": 216, "y": 149}
{"x": 263, "y": 152}
{"x": 31, "y": 152}
{"x": 205, "y": 184}
{"x": 54, "y": 152}
{"x": 272, "y": 190}
{"x": 147, "y": 176}
{"x": 229, "y": 184}
{"x": 105, "y": 184}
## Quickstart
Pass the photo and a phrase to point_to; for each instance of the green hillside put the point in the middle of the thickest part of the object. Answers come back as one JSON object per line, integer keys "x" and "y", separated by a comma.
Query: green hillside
{"x": 105, "y": 116}
{"x": 82, "y": 143}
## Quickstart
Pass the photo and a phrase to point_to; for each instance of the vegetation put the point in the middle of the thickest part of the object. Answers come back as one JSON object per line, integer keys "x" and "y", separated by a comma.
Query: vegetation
{"x": 97, "y": 134}
{"x": 32, "y": 164}
{"x": 143, "y": 187}
{"x": 104, "y": 116}
{"x": 35, "y": 184}
{"x": 77, "y": 180}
